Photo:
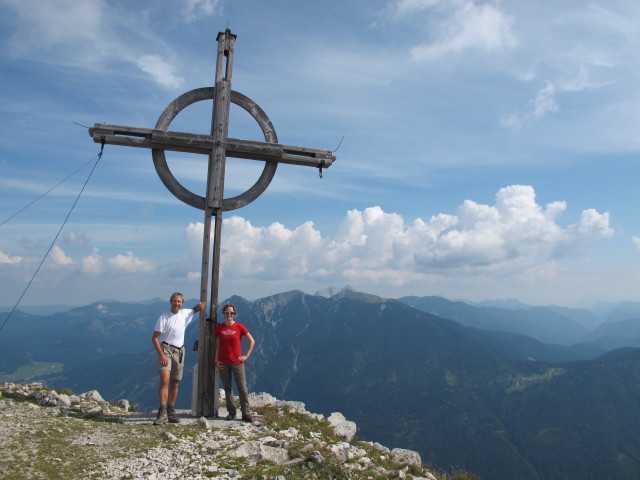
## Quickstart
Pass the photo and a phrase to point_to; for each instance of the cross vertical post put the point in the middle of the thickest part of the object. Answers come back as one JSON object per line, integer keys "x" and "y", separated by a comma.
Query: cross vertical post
{"x": 207, "y": 389}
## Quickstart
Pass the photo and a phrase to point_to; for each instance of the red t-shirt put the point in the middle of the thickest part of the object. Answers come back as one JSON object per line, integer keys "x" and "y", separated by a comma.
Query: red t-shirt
{"x": 229, "y": 339}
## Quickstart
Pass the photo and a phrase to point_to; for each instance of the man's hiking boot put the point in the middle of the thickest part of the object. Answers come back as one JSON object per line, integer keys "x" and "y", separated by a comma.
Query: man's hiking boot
{"x": 172, "y": 416}
{"x": 247, "y": 418}
{"x": 162, "y": 417}
{"x": 231, "y": 416}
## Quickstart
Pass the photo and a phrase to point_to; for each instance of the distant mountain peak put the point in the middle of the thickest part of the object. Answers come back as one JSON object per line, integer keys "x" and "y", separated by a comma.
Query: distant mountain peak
{"x": 359, "y": 296}
{"x": 508, "y": 303}
{"x": 333, "y": 291}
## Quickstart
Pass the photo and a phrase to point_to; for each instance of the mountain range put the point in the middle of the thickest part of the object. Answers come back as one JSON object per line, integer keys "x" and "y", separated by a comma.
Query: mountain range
{"x": 529, "y": 393}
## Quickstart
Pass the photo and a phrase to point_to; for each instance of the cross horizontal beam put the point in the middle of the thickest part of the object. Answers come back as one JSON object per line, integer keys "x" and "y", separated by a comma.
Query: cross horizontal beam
{"x": 204, "y": 144}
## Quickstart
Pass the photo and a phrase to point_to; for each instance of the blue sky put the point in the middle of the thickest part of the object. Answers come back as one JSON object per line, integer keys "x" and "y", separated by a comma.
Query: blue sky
{"x": 490, "y": 148}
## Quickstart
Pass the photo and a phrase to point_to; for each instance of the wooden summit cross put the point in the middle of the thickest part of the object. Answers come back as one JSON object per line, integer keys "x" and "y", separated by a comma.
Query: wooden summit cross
{"x": 218, "y": 146}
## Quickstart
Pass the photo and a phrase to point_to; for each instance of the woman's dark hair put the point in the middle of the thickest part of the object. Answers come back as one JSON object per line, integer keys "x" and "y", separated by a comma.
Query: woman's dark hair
{"x": 235, "y": 310}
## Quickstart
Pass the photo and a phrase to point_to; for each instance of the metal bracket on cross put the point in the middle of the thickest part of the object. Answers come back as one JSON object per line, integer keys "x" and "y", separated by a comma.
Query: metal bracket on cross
{"x": 218, "y": 146}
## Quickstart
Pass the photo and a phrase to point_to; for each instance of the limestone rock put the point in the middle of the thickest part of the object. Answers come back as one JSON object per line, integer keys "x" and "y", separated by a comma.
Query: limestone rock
{"x": 63, "y": 400}
{"x": 341, "y": 426}
{"x": 204, "y": 422}
{"x": 93, "y": 395}
{"x": 257, "y": 451}
{"x": 316, "y": 457}
{"x": 124, "y": 404}
{"x": 409, "y": 457}
{"x": 345, "y": 451}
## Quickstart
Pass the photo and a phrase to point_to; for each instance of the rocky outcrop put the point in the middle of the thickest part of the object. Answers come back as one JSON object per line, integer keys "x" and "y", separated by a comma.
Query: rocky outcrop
{"x": 89, "y": 403}
{"x": 83, "y": 436}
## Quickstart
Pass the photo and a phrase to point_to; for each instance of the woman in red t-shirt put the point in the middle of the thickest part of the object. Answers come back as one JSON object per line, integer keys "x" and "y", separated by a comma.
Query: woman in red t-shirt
{"x": 229, "y": 360}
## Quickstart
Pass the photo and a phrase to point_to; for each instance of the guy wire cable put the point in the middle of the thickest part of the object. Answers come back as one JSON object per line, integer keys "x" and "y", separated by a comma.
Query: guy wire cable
{"x": 54, "y": 240}
{"x": 48, "y": 191}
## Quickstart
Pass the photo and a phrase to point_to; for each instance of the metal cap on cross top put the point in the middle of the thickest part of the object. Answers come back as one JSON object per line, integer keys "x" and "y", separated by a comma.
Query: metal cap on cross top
{"x": 218, "y": 146}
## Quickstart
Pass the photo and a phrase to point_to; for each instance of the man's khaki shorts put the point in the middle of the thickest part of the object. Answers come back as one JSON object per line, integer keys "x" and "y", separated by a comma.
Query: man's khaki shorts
{"x": 176, "y": 361}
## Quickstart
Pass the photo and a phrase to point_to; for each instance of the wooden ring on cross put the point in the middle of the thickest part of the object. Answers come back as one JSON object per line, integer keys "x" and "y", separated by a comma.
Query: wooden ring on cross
{"x": 187, "y": 196}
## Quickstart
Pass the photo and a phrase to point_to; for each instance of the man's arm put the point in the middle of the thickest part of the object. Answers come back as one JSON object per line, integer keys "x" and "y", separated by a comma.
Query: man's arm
{"x": 164, "y": 361}
{"x": 199, "y": 307}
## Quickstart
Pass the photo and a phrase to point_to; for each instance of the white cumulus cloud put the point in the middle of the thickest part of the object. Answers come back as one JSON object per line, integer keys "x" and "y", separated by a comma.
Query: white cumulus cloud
{"x": 59, "y": 258}
{"x": 516, "y": 235}
{"x": 128, "y": 263}
{"x": 92, "y": 264}
{"x": 7, "y": 259}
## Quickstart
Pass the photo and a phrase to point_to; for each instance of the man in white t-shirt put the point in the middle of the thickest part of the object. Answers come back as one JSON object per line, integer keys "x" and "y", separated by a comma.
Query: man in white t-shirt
{"x": 168, "y": 340}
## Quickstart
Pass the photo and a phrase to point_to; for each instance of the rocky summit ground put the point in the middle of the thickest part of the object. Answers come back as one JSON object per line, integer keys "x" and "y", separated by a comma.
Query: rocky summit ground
{"x": 58, "y": 435}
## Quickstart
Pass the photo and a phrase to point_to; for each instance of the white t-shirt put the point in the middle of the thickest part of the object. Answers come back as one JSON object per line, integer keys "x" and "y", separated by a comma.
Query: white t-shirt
{"x": 172, "y": 326}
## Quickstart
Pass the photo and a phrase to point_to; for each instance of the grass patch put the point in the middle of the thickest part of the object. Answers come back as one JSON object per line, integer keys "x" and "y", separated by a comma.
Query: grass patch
{"x": 31, "y": 370}
{"x": 522, "y": 382}
{"x": 283, "y": 418}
